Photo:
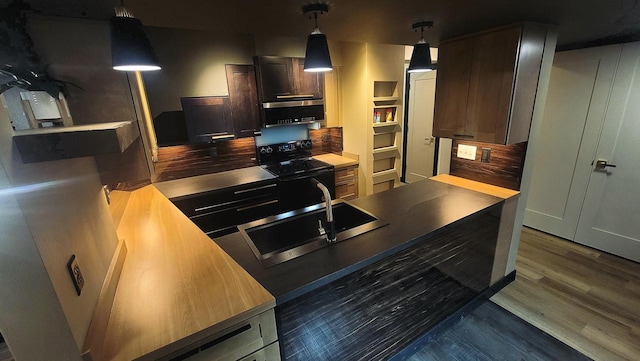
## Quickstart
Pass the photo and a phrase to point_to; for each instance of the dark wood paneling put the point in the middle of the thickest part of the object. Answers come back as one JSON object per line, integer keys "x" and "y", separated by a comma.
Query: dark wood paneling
{"x": 374, "y": 313}
{"x": 489, "y": 332}
{"x": 311, "y": 83}
{"x": 190, "y": 160}
{"x": 504, "y": 168}
{"x": 326, "y": 140}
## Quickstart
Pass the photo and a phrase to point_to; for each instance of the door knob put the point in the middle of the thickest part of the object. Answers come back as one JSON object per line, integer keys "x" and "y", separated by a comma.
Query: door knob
{"x": 602, "y": 164}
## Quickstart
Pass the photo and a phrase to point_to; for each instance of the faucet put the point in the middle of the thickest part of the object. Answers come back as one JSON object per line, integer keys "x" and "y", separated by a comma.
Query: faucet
{"x": 330, "y": 230}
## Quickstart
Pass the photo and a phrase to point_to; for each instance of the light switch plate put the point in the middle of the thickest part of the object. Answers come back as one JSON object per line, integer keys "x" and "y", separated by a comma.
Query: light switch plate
{"x": 467, "y": 151}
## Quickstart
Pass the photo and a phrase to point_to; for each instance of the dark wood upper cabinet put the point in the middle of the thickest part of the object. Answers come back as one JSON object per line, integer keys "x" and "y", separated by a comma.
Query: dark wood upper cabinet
{"x": 208, "y": 118}
{"x": 241, "y": 81}
{"x": 281, "y": 79}
{"x": 452, "y": 89}
{"x": 307, "y": 83}
{"x": 486, "y": 84}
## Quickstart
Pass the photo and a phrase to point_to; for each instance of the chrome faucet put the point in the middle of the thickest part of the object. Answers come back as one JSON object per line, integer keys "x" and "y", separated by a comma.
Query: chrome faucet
{"x": 330, "y": 229}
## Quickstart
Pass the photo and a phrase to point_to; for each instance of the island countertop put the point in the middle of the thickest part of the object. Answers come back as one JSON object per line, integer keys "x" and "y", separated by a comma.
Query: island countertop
{"x": 415, "y": 212}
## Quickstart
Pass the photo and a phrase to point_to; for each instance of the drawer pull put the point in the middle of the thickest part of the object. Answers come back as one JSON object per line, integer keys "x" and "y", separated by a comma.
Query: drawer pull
{"x": 463, "y": 135}
{"x": 256, "y": 205}
{"x": 254, "y": 189}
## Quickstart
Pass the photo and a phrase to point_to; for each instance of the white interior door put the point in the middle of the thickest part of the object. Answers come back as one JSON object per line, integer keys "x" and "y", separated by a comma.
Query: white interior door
{"x": 610, "y": 218}
{"x": 577, "y": 99}
{"x": 420, "y": 143}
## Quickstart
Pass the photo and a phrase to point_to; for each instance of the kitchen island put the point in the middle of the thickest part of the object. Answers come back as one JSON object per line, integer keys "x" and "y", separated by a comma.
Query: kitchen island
{"x": 383, "y": 288}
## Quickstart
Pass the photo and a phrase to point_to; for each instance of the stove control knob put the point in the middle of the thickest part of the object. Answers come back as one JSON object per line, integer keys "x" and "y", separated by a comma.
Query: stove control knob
{"x": 269, "y": 150}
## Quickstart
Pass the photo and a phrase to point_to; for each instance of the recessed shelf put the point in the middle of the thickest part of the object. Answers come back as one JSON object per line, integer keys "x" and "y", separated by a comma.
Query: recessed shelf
{"x": 385, "y": 99}
{"x": 385, "y": 124}
{"x": 55, "y": 143}
{"x": 384, "y": 176}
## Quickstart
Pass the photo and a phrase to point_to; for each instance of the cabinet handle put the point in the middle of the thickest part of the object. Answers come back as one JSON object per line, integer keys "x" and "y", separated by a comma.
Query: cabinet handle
{"x": 220, "y": 137}
{"x": 294, "y": 96}
{"x": 256, "y": 205}
{"x": 254, "y": 189}
{"x": 463, "y": 135}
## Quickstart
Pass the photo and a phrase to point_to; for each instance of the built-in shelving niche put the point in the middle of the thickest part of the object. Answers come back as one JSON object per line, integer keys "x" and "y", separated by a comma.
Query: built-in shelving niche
{"x": 386, "y": 127}
{"x": 56, "y": 143}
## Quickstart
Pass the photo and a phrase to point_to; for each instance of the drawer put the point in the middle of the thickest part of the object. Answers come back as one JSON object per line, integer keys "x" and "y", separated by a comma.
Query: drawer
{"x": 269, "y": 353}
{"x": 347, "y": 190}
{"x": 239, "y": 342}
{"x": 221, "y": 221}
{"x": 227, "y": 198}
{"x": 346, "y": 173}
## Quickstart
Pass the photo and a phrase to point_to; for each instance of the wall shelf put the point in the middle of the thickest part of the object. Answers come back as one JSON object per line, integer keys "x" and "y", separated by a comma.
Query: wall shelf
{"x": 385, "y": 124}
{"x": 55, "y": 143}
{"x": 385, "y": 99}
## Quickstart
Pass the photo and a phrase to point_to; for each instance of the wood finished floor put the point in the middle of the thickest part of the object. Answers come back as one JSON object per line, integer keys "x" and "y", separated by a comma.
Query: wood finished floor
{"x": 588, "y": 299}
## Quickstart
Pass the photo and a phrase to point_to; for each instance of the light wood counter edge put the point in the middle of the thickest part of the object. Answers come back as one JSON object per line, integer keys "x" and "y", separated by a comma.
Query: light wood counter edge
{"x": 338, "y": 161}
{"x": 489, "y": 189}
{"x": 141, "y": 206}
{"x": 507, "y": 217}
{"x": 93, "y": 343}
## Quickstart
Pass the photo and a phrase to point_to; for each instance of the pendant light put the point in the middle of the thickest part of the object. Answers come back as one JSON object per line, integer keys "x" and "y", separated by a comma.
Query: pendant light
{"x": 130, "y": 47}
{"x": 317, "y": 57}
{"x": 421, "y": 56}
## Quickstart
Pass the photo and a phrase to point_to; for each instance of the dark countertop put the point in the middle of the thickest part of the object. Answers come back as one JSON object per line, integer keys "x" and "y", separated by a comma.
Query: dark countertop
{"x": 210, "y": 182}
{"x": 415, "y": 212}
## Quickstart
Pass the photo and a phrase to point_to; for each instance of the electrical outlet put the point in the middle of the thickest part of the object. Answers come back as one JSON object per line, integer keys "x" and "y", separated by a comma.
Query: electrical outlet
{"x": 76, "y": 274}
{"x": 467, "y": 151}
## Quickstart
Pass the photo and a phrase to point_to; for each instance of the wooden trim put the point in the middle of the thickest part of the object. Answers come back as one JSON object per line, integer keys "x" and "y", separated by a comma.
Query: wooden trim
{"x": 98, "y": 328}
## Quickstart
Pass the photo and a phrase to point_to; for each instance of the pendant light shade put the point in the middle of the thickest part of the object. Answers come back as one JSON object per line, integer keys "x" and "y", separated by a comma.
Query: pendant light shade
{"x": 317, "y": 57}
{"x": 130, "y": 47}
{"x": 421, "y": 56}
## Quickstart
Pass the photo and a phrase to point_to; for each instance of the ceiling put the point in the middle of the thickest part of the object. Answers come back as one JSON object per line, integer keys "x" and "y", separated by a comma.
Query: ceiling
{"x": 380, "y": 21}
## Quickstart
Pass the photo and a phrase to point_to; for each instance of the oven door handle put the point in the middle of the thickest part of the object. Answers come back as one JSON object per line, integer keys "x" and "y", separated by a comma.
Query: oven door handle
{"x": 304, "y": 175}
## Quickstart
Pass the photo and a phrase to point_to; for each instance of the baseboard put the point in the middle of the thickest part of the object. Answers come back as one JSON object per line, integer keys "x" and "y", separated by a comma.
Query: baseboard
{"x": 502, "y": 283}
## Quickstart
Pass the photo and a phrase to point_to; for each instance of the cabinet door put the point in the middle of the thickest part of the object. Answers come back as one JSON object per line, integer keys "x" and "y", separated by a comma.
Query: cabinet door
{"x": 241, "y": 81}
{"x": 207, "y": 118}
{"x": 491, "y": 83}
{"x": 452, "y": 88}
{"x": 308, "y": 84}
{"x": 275, "y": 78}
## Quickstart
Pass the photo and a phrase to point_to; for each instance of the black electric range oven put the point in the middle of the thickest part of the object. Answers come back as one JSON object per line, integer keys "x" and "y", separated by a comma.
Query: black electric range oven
{"x": 294, "y": 168}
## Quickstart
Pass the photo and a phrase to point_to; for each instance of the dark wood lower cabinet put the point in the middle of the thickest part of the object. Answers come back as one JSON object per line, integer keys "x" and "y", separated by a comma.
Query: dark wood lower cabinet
{"x": 219, "y": 212}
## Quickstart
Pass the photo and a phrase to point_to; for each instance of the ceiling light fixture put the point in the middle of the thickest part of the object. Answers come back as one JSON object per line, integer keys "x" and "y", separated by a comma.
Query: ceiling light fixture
{"x": 421, "y": 56}
{"x": 317, "y": 57}
{"x": 130, "y": 47}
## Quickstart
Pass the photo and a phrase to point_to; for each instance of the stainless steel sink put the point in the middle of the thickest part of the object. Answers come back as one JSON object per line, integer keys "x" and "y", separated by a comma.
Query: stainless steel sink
{"x": 279, "y": 238}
